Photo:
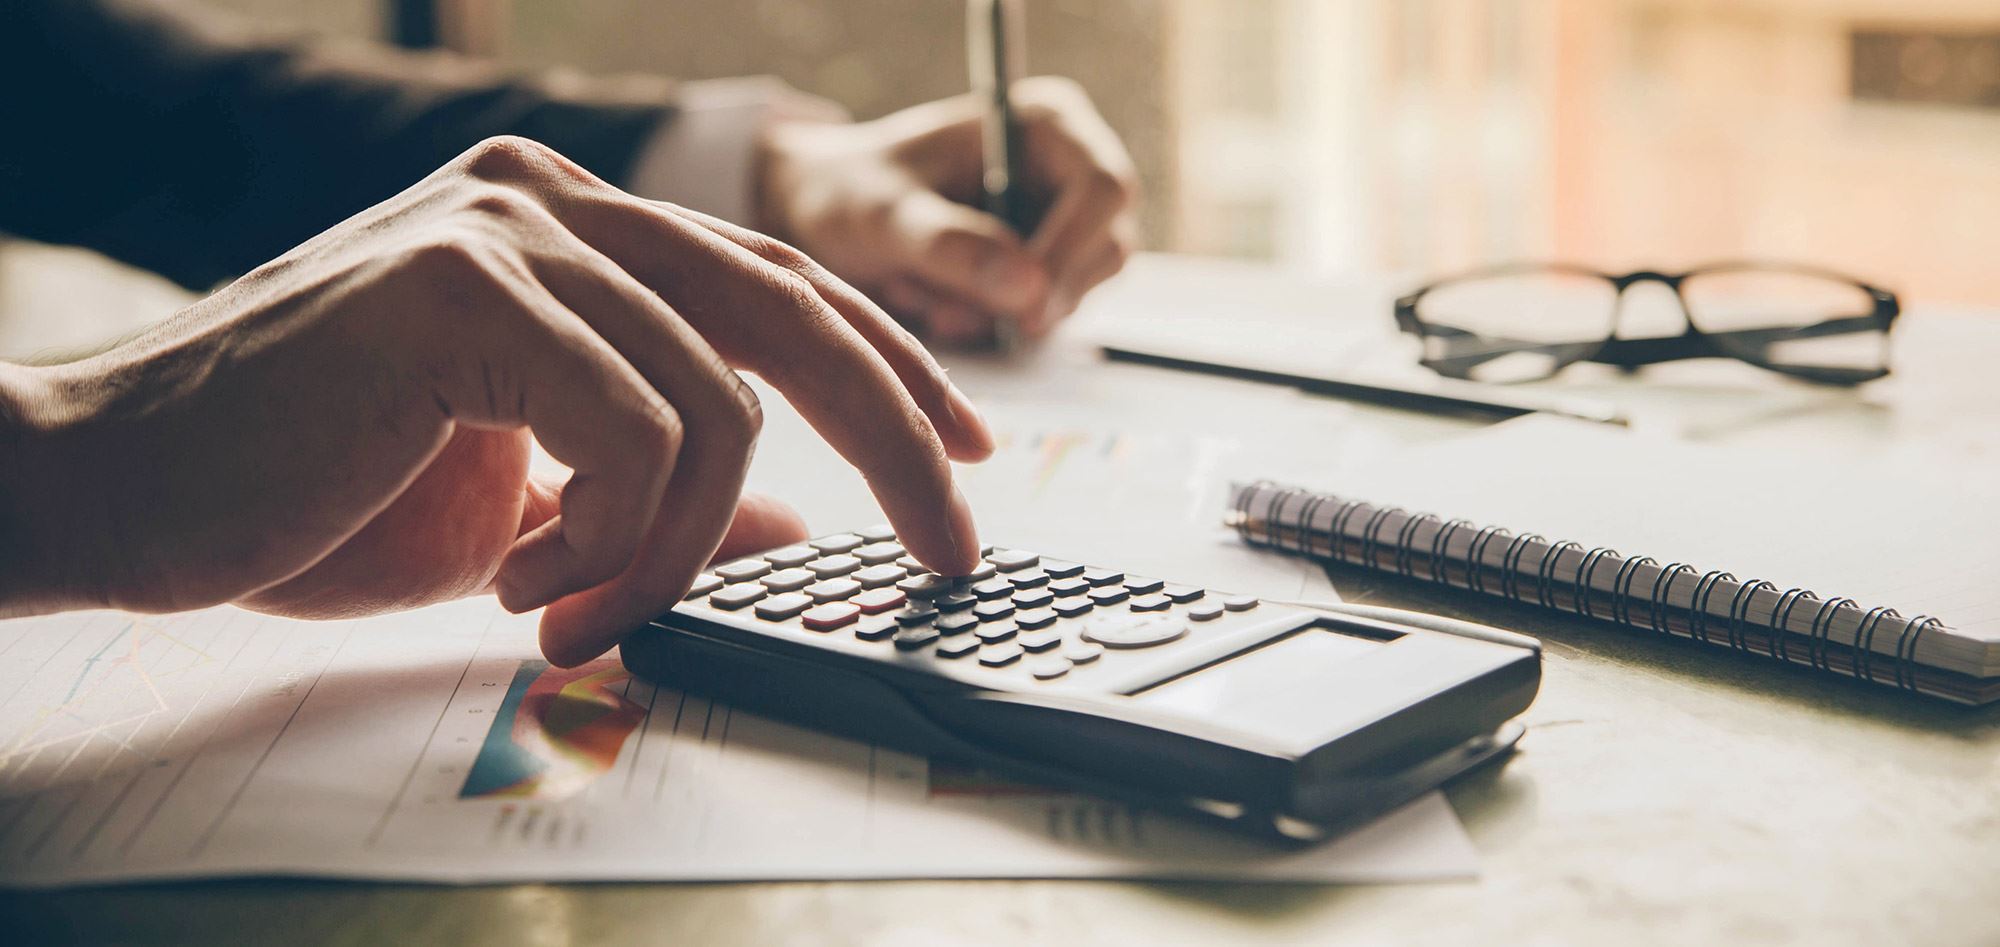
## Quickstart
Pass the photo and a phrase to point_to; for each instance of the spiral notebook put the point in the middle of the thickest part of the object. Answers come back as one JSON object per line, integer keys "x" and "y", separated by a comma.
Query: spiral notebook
{"x": 1887, "y": 572}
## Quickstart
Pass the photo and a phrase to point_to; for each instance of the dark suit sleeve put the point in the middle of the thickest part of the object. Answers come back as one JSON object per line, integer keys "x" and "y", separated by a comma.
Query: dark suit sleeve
{"x": 167, "y": 139}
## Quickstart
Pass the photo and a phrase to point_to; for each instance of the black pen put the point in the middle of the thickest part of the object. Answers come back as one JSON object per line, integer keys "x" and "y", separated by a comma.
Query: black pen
{"x": 996, "y": 53}
{"x": 1489, "y": 406}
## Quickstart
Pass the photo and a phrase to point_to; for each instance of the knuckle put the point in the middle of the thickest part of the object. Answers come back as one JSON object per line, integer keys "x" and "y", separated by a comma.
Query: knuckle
{"x": 450, "y": 256}
{"x": 504, "y": 157}
{"x": 502, "y": 202}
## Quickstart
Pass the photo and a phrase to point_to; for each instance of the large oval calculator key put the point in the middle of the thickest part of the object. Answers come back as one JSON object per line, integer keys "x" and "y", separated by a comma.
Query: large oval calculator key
{"x": 1277, "y": 720}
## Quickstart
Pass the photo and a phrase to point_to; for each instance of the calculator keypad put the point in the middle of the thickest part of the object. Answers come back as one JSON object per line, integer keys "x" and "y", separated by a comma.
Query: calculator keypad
{"x": 1017, "y": 614}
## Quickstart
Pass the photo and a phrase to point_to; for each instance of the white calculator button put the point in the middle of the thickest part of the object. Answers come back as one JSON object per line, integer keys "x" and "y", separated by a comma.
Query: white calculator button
{"x": 832, "y": 566}
{"x": 878, "y": 553}
{"x": 1206, "y": 611}
{"x": 1049, "y": 668}
{"x": 791, "y": 557}
{"x": 832, "y": 590}
{"x": 879, "y": 533}
{"x": 704, "y": 584}
{"x": 743, "y": 571}
{"x": 736, "y": 596}
{"x": 1239, "y": 603}
{"x": 877, "y": 576}
{"x": 1133, "y": 631}
{"x": 836, "y": 543}
{"x": 781, "y": 607}
{"x": 788, "y": 580}
{"x": 1013, "y": 560}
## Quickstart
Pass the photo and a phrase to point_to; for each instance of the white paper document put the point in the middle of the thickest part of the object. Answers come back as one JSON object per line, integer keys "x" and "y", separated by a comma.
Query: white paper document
{"x": 435, "y": 745}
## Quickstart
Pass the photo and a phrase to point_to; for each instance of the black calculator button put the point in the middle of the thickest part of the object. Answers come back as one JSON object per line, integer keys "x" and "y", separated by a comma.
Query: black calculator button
{"x": 830, "y": 616}
{"x": 704, "y": 584}
{"x": 875, "y": 628}
{"x": 791, "y": 557}
{"x": 1029, "y": 579}
{"x": 1058, "y": 569}
{"x": 910, "y": 639}
{"x": 832, "y": 566}
{"x": 994, "y": 610}
{"x": 1140, "y": 585}
{"x": 992, "y": 588}
{"x": 1039, "y": 641}
{"x": 957, "y": 647}
{"x": 1239, "y": 603}
{"x": 1108, "y": 595}
{"x": 1069, "y": 586}
{"x": 836, "y": 543}
{"x": 953, "y": 602}
{"x": 1103, "y": 576}
{"x": 877, "y": 601}
{"x": 1134, "y": 631}
{"x": 1151, "y": 603}
{"x": 878, "y": 553}
{"x": 743, "y": 570}
{"x": 874, "y": 576}
{"x": 980, "y": 572}
{"x": 1183, "y": 594}
{"x": 832, "y": 590}
{"x": 1049, "y": 668}
{"x": 1082, "y": 652}
{"x": 1033, "y": 598}
{"x": 781, "y": 607}
{"x": 879, "y": 533}
{"x": 1072, "y": 607}
{"x": 1206, "y": 611}
{"x": 953, "y": 624}
{"x": 788, "y": 580}
{"x": 916, "y": 614}
{"x": 736, "y": 596}
{"x": 992, "y": 634}
{"x": 1034, "y": 617}
{"x": 999, "y": 655}
{"x": 924, "y": 586}
{"x": 1013, "y": 560}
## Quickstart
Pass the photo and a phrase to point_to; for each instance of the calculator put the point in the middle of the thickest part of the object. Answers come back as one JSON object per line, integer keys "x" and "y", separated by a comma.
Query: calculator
{"x": 1282, "y": 721}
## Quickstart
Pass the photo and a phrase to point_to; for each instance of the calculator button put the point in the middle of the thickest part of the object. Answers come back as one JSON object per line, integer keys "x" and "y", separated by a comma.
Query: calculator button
{"x": 1132, "y": 631}
{"x": 1182, "y": 594}
{"x": 830, "y": 616}
{"x": 999, "y": 655}
{"x": 1108, "y": 595}
{"x": 832, "y": 590}
{"x": 1033, "y": 598}
{"x": 878, "y": 533}
{"x": 781, "y": 607}
{"x": 1029, "y": 579}
{"x": 875, "y": 628}
{"x": 878, "y": 553}
{"x": 1239, "y": 603}
{"x": 1082, "y": 652}
{"x": 1034, "y": 617}
{"x": 1013, "y": 560}
{"x": 1040, "y": 640}
{"x": 1058, "y": 569}
{"x": 791, "y": 557}
{"x": 1151, "y": 603}
{"x": 994, "y": 610}
{"x": 953, "y": 602}
{"x": 736, "y": 596}
{"x": 832, "y": 566}
{"x": 877, "y": 601}
{"x": 993, "y": 634}
{"x": 1103, "y": 576}
{"x": 874, "y": 576}
{"x": 992, "y": 588}
{"x": 953, "y": 624}
{"x": 1049, "y": 668}
{"x": 911, "y": 565}
{"x": 917, "y": 614}
{"x": 836, "y": 543}
{"x": 1072, "y": 607}
{"x": 743, "y": 571}
{"x": 1069, "y": 586}
{"x": 910, "y": 639}
{"x": 704, "y": 584}
{"x": 1140, "y": 585}
{"x": 957, "y": 647}
{"x": 788, "y": 580}
{"x": 924, "y": 586}
{"x": 1206, "y": 611}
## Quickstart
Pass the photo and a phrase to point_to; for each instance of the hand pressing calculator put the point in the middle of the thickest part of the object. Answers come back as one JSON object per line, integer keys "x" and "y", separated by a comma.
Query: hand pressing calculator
{"x": 1278, "y": 720}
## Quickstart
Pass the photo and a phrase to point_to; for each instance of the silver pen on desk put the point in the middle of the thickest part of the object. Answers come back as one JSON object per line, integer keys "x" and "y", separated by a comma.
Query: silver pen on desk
{"x": 996, "y": 53}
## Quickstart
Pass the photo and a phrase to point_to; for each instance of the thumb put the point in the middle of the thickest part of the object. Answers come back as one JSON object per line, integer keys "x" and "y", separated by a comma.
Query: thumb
{"x": 968, "y": 254}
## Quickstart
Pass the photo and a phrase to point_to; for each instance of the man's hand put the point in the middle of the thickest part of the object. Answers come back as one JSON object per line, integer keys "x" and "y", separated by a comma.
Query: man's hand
{"x": 347, "y": 428}
{"x": 890, "y": 206}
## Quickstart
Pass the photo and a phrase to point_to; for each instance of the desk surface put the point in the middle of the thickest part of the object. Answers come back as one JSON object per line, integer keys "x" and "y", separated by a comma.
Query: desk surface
{"x": 1665, "y": 793}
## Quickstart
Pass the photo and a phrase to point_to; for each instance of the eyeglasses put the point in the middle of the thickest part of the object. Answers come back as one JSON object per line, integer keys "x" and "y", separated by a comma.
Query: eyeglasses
{"x": 1527, "y": 321}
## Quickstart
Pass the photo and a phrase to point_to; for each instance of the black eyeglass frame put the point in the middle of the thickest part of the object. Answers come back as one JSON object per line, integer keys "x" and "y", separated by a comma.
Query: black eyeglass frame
{"x": 1691, "y": 343}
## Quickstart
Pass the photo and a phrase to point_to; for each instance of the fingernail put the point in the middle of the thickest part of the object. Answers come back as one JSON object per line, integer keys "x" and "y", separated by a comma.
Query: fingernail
{"x": 966, "y": 416}
{"x": 964, "y": 535}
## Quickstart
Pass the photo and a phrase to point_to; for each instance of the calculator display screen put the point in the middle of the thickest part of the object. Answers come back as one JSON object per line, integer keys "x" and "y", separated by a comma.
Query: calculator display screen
{"x": 1302, "y": 659}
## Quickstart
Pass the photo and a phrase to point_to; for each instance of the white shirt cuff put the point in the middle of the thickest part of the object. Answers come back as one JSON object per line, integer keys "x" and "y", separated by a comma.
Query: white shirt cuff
{"x": 703, "y": 158}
